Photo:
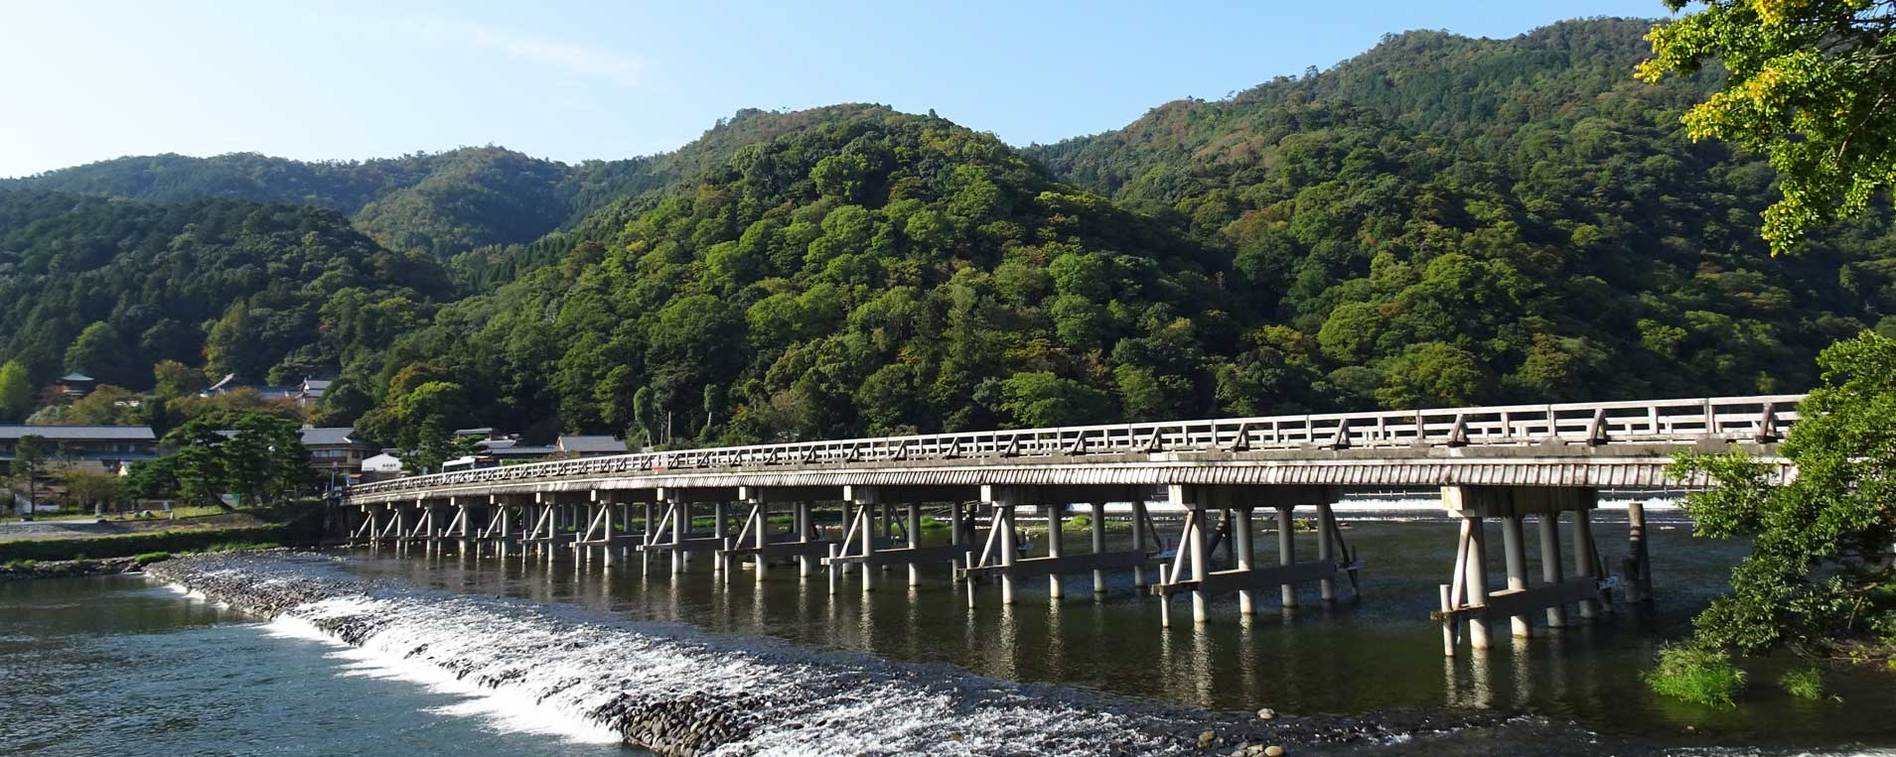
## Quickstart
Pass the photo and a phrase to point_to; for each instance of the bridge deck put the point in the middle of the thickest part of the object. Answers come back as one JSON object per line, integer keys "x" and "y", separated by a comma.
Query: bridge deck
{"x": 1606, "y": 444}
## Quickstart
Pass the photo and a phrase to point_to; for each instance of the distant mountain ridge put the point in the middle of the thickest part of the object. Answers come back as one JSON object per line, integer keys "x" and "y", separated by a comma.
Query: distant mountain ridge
{"x": 443, "y": 203}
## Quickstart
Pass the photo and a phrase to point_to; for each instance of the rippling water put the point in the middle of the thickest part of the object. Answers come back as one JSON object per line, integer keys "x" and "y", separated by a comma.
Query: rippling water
{"x": 479, "y": 617}
{"x": 121, "y": 666}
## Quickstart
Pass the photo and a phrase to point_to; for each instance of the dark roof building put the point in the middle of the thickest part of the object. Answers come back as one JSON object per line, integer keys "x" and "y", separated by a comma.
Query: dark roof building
{"x": 106, "y": 447}
{"x": 590, "y": 445}
{"x": 336, "y": 449}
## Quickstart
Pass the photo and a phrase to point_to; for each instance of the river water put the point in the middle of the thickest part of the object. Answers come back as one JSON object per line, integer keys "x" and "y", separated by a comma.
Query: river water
{"x": 123, "y": 665}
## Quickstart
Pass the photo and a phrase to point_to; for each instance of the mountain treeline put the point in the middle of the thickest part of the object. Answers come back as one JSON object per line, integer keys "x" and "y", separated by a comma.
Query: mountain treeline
{"x": 278, "y": 292}
{"x": 1441, "y": 220}
{"x": 444, "y": 204}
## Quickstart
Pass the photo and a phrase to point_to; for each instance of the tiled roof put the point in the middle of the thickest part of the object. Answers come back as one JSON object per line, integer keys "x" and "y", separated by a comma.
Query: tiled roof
{"x": 591, "y": 443}
{"x": 329, "y": 437}
{"x": 80, "y": 433}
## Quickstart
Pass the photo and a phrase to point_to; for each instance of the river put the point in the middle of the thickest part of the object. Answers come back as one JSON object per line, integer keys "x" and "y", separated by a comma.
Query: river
{"x": 130, "y": 666}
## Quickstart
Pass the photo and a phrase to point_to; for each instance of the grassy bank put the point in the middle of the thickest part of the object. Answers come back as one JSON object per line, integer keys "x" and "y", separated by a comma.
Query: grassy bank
{"x": 128, "y": 545}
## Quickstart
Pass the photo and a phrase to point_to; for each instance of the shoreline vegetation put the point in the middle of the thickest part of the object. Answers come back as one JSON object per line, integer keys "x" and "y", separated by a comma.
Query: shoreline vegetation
{"x": 1820, "y": 581}
{"x": 24, "y": 569}
{"x": 298, "y": 524}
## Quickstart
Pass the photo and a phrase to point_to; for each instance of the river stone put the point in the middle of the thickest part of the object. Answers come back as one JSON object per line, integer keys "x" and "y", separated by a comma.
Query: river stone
{"x": 1273, "y": 751}
{"x": 1267, "y": 714}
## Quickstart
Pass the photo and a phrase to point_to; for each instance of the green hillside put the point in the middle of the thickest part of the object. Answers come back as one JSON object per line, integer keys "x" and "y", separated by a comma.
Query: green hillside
{"x": 1446, "y": 220}
{"x": 262, "y": 290}
{"x": 1441, "y": 220}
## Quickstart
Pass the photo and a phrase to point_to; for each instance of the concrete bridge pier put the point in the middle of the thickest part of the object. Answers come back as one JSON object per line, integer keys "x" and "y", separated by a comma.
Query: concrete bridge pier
{"x": 718, "y": 532}
{"x": 1055, "y": 547}
{"x": 1000, "y": 555}
{"x": 805, "y": 522}
{"x": 648, "y": 532}
{"x": 912, "y": 528}
{"x": 1242, "y": 538}
{"x": 1096, "y": 526}
{"x": 1637, "y": 566}
{"x": 1467, "y": 598}
{"x": 499, "y": 526}
{"x": 1141, "y": 526}
{"x": 1191, "y": 570}
{"x": 679, "y": 514}
{"x": 1287, "y": 551}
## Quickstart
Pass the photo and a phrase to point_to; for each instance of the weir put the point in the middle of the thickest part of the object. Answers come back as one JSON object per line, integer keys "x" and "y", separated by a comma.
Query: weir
{"x": 861, "y": 506}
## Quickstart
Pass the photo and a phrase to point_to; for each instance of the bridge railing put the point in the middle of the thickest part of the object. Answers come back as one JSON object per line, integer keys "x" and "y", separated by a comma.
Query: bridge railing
{"x": 1681, "y": 421}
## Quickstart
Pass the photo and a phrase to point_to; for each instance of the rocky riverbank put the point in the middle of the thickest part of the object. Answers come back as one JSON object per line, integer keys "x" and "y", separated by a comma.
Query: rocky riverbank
{"x": 28, "y": 569}
{"x": 678, "y": 691}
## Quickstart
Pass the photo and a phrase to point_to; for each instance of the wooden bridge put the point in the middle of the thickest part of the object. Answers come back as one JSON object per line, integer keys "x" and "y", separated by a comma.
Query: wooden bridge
{"x": 1504, "y": 463}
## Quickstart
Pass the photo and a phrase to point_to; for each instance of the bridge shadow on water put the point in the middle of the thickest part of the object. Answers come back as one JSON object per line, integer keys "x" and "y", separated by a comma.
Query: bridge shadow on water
{"x": 1374, "y": 649}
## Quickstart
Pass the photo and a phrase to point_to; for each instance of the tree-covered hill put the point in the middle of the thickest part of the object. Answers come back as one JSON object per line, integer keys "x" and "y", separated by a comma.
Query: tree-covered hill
{"x": 1446, "y": 220}
{"x": 444, "y": 203}
{"x": 878, "y": 272}
{"x": 265, "y": 291}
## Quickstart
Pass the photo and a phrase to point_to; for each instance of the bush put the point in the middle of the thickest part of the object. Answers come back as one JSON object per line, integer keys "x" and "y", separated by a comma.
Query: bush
{"x": 1803, "y": 683}
{"x": 147, "y": 558}
{"x": 1696, "y": 674}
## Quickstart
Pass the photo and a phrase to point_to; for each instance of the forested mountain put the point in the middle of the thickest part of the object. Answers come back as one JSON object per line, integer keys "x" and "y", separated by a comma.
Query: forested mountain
{"x": 443, "y": 203}
{"x": 1440, "y": 220}
{"x": 1447, "y": 220}
{"x": 879, "y": 271}
{"x": 266, "y": 291}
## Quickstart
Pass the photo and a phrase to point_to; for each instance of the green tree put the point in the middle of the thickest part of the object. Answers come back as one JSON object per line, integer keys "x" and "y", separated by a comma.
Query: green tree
{"x": 16, "y": 392}
{"x": 172, "y": 379}
{"x": 93, "y": 491}
{"x": 428, "y": 415}
{"x": 258, "y": 456}
{"x": 1433, "y": 374}
{"x": 29, "y": 463}
{"x": 1819, "y": 569}
{"x": 108, "y": 406}
{"x": 1040, "y": 398}
{"x": 100, "y": 353}
{"x": 1808, "y": 83}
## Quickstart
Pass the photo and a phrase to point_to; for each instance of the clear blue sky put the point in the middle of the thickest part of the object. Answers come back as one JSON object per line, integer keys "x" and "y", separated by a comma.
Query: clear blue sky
{"x": 93, "y": 80}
